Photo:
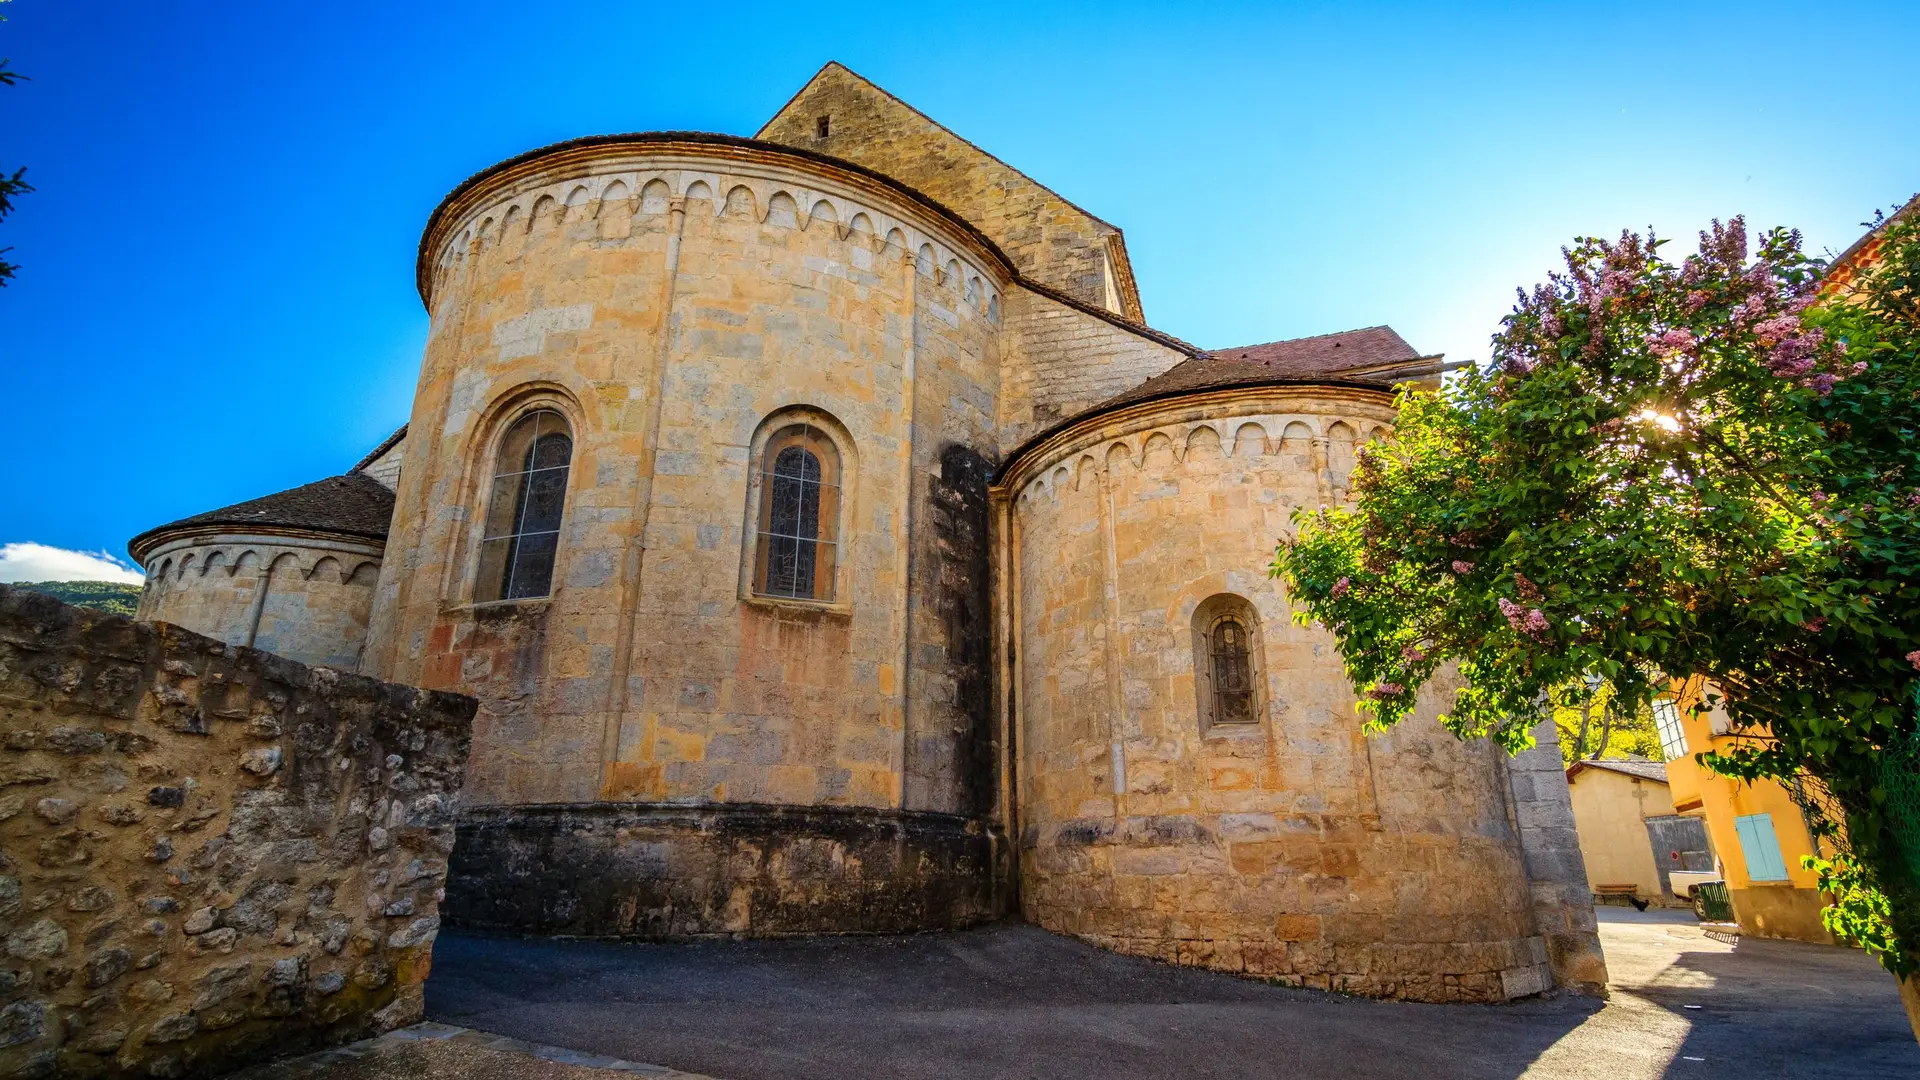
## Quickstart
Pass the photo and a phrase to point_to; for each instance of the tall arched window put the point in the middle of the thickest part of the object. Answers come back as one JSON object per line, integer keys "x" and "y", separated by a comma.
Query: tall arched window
{"x": 523, "y": 511}
{"x": 799, "y": 514}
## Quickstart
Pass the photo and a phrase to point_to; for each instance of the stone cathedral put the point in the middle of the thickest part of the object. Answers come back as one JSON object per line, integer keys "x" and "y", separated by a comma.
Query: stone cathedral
{"x": 833, "y": 547}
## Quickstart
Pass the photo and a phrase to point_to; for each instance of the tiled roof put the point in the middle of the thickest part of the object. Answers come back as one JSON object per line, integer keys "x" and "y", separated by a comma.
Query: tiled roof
{"x": 1374, "y": 354}
{"x": 1645, "y": 770}
{"x": 355, "y": 505}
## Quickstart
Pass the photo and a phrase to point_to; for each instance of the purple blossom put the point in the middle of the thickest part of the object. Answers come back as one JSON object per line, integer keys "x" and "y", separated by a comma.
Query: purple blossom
{"x": 1385, "y": 690}
{"x": 1818, "y": 499}
{"x": 1462, "y": 566}
{"x": 1815, "y": 624}
{"x": 1412, "y": 654}
{"x": 1695, "y": 299}
{"x": 1339, "y": 589}
{"x": 1823, "y": 383}
{"x": 1677, "y": 340}
{"x": 1775, "y": 330}
{"x": 1913, "y": 499}
{"x": 1859, "y": 365}
{"x": 1529, "y": 621}
{"x": 1914, "y": 659}
{"x": 1515, "y": 614}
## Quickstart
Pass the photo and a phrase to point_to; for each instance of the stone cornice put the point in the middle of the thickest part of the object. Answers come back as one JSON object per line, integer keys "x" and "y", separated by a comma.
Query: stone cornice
{"x": 1099, "y": 425}
{"x": 576, "y": 157}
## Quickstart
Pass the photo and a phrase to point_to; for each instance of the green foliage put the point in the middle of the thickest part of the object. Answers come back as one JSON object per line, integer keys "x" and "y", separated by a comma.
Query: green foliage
{"x": 1859, "y": 911}
{"x": 109, "y": 596}
{"x": 13, "y": 185}
{"x": 1671, "y": 469}
{"x": 1596, "y": 730}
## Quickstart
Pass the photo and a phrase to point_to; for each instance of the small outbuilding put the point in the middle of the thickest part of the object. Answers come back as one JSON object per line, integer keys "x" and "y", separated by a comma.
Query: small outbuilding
{"x": 1629, "y": 835}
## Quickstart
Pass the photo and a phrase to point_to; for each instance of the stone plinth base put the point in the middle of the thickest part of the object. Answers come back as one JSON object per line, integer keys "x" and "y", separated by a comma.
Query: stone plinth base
{"x": 624, "y": 870}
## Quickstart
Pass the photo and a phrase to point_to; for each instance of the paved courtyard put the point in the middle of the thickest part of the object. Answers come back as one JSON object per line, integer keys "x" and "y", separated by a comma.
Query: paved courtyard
{"x": 1011, "y": 1001}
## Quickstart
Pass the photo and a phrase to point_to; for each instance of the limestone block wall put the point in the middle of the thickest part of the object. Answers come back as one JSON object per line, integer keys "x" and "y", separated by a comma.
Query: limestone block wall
{"x": 1294, "y": 847}
{"x": 1062, "y": 360}
{"x": 208, "y": 854}
{"x": 306, "y": 597}
{"x": 669, "y": 299}
{"x": 1556, "y": 870}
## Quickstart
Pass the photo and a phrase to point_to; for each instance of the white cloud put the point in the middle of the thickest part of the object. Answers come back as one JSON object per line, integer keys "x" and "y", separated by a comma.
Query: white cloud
{"x": 38, "y": 562}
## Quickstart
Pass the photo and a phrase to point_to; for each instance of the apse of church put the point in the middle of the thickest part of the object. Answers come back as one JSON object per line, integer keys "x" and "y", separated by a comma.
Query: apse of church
{"x": 833, "y": 548}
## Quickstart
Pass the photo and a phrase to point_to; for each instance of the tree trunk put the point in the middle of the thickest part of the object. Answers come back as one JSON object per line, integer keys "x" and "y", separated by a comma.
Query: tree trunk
{"x": 1910, "y": 997}
{"x": 1606, "y": 734}
{"x": 1586, "y": 721}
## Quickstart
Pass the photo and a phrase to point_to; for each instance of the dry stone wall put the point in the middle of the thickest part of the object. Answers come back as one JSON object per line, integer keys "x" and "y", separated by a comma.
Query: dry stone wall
{"x": 208, "y": 853}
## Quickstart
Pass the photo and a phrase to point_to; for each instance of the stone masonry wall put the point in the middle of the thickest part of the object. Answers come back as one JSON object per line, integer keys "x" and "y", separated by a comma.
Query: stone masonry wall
{"x": 208, "y": 853}
{"x": 676, "y": 303}
{"x": 1061, "y": 361}
{"x": 1296, "y": 847}
{"x": 1051, "y": 240}
{"x": 307, "y": 599}
{"x": 1556, "y": 871}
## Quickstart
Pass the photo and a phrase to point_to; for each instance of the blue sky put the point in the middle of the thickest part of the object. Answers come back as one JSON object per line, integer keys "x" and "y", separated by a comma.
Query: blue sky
{"x": 217, "y": 300}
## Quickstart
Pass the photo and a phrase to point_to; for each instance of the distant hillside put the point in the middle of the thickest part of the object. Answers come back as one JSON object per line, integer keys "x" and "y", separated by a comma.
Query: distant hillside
{"x": 108, "y": 596}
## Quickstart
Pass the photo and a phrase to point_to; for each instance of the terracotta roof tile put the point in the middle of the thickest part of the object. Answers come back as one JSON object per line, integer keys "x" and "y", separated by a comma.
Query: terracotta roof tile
{"x": 1374, "y": 354}
{"x": 355, "y": 504}
{"x": 1645, "y": 770}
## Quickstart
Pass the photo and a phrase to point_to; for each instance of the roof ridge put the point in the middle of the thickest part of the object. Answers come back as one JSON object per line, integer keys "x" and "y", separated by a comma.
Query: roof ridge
{"x": 1312, "y": 337}
{"x": 277, "y": 510}
{"x": 910, "y": 107}
{"x": 386, "y": 444}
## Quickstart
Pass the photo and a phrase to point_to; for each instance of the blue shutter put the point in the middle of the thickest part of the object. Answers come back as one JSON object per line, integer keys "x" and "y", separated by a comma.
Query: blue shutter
{"x": 1761, "y": 848}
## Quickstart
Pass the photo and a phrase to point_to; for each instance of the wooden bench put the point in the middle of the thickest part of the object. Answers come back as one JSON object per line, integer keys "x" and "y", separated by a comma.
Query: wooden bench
{"x": 1629, "y": 893}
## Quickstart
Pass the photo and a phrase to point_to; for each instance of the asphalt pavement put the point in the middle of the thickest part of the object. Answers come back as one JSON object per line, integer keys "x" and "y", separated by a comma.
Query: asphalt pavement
{"x": 1013, "y": 1001}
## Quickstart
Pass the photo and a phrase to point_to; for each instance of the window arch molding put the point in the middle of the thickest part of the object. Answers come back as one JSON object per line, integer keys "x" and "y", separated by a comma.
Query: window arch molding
{"x": 778, "y": 458}
{"x": 1229, "y": 665}
{"x": 486, "y": 461}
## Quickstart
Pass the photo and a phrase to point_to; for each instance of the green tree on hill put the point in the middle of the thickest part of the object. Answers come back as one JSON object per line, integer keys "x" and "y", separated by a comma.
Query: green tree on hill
{"x": 111, "y": 597}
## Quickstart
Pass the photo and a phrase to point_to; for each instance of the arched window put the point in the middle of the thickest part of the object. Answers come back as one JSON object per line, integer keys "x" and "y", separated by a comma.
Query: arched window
{"x": 1232, "y": 673}
{"x": 799, "y": 514}
{"x": 523, "y": 512}
{"x": 1226, "y": 662}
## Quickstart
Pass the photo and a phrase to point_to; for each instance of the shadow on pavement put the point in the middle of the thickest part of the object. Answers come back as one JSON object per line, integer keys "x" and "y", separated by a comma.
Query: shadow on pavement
{"x": 1013, "y": 1001}
{"x": 1003, "y": 1001}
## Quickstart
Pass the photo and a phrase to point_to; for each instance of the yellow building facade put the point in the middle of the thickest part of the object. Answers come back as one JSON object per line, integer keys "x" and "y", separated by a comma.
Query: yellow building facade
{"x": 1630, "y": 837}
{"x": 1758, "y": 831}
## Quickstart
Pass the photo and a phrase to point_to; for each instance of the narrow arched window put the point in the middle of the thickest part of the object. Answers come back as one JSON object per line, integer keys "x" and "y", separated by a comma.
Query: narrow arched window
{"x": 1232, "y": 673}
{"x": 523, "y": 511}
{"x": 797, "y": 547}
{"x": 1227, "y": 657}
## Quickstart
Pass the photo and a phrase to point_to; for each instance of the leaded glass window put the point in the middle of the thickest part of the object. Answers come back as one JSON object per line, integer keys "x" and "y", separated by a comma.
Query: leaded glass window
{"x": 522, "y": 533}
{"x": 1232, "y": 673}
{"x": 797, "y": 549}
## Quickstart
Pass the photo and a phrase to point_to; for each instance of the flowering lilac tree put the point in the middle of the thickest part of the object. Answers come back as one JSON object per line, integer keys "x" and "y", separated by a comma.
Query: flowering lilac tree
{"x": 1702, "y": 468}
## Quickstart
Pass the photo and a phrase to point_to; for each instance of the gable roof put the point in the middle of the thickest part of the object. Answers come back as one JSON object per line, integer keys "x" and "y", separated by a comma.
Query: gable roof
{"x": 386, "y": 444}
{"x": 1053, "y": 240}
{"x": 352, "y": 505}
{"x": 1643, "y": 770}
{"x": 1373, "y": 355}
{"x": 1864, "y": 253}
